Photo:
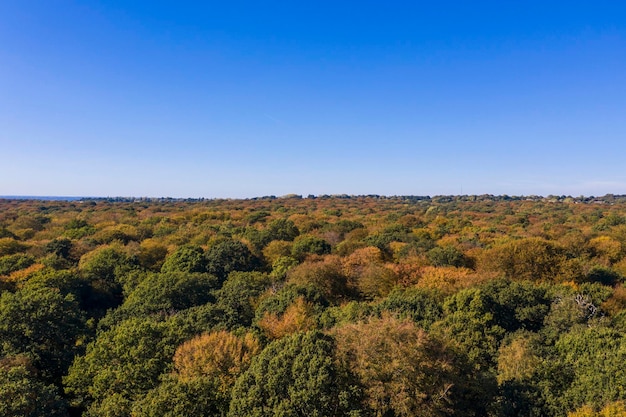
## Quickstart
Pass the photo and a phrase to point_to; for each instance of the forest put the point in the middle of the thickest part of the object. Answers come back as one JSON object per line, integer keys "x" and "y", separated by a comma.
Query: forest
{"x": 317, "y": 306}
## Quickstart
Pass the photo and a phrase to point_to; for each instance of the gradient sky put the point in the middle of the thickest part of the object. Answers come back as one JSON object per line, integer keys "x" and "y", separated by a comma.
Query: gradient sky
{"x": 244, "y": 99}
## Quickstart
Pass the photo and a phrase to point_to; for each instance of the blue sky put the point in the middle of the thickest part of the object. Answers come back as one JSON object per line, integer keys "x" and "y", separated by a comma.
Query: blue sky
{"x": 243, "y": 99}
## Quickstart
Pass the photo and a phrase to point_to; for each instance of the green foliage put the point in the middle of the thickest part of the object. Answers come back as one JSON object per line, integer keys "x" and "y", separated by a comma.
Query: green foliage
{"x": 603, "y": 275}
{"x": 281, "y": 229}
{"x": 326, "y": 277}
{"x": 515, "y": 306}
{"x": 258, "y": 216}
{"x": 44, "y": 324}
{"x": 306, "y": 244}
{"x": 198, "y": 397}
{"x": 596, "y": 356}
{"x": 22, "y": 394}
{"x": 78, "y": 228}
{"x": 351, "y": 312}
{"x": 107, "y": 265}
{"x": 164, "y": 293}
{"x": 447, "y": 256}
{"x": 281, "y": 266}
{"x": 393, "y": 233}
{"x": 469, "y": 324}
{"x": 238, "y": 297}
{"x": 188, "y": 258}
{"x": 568, "y": 311}
{"x": 6, "y": 233}
{"x": 11, "y": 263}
{"x": 66, "y": 281}
{"x": 195, "y": 320}
{"x": 228, "y": 256}
{"x": 122, "y": 233}
{"x": 420, "y": 305}
{"x": 293, "y": 376}
{"x": 122, "y": 364}
{"x": 106, "y": 269}
{"x": 344, "y": 226}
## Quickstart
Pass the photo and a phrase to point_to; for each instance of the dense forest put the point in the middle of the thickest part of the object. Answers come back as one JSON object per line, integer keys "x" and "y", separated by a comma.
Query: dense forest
{"x": 318, "y": 306}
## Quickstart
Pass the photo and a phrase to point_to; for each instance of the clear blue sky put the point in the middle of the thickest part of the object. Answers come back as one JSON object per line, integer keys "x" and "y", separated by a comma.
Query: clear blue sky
{"x": 244, "y": 99}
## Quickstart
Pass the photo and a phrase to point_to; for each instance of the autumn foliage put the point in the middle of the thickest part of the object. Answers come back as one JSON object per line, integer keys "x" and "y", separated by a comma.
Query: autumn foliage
{"x": 365, "y": 306}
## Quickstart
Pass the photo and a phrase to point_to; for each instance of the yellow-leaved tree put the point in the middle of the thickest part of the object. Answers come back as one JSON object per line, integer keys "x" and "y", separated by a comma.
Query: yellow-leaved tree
{"x": 220, "y": 355}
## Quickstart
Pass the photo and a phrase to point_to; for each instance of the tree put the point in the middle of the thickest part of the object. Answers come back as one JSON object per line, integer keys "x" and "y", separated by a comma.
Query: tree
{"x": 187, "y": 258}
{"x": 60, "y": 247}
{"x": 527, "y": 259}
{"x": 151, "y": 255}
{"x": 325, "y": 275}
{"x": 293, "y": 376}
{"x": 420, "y": 305}
{"x": 22, "y": 394}
{"x": 298, "y": 317}
{"x": 614, "y": 409}
{"x": 281, "y": 266}
{"x": 403, "y": 371}
{"x": 220, "y": 356}
{"x": 121, "y": 365}
{"x": 10, "y": 246}
{"x": 276, "y": 249}
{"x": 282, "y": 229}
{"x": 164, "y": 293}
{"x": 469, "y": 324}
{"x": 596, "y": 356}
{"x": 106, "y": 269}
{"x": 518, "y": 360}
{"x": 197, "y": 397}
{"x": 366, "y": 273}
{"x": 228, "y": 256}
{"x": 43, "y": 324}
{"x": 239, "y": 295}
{"x": 307, "y": 244}
{"x": 447, "y": 256}
{"x": 12, "y": 263}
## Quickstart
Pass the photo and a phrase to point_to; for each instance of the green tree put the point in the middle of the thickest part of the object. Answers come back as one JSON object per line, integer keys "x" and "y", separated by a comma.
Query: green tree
{"x": 22, "y": 394}
{"x": 447, "y": 256}
{"x": 78, "y": 228}
{"x": 420, "y": 305}
{"x": 197, "y": 397}
{"x": 228, "y": 256}
{"x": 45, "y": 325}
{"x": 596, "y": 356}
{"x": 106, "y": 269}
{"x": 10, "y": 246}
{"x": 307, "y": 244}
{"x": 469, "y": 324}
{"x": 281, "y": 229}
{"x": 12, "y": 263}
{"x": 239, "y": 295}
{"x": 164, "y": 293}
{"x": 121, "y": 365}
{"x": 293, "y": 376}
{"x": 326, "y": 277}
{"x": 188, "y": 258}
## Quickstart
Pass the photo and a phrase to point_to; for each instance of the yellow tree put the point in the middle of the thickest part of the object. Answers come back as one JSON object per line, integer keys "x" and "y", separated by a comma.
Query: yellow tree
{"x": 218, "y": 355}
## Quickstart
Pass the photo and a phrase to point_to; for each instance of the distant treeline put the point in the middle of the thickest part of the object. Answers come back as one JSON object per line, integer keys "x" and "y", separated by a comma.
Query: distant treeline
{"x": 607, "y": 198}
